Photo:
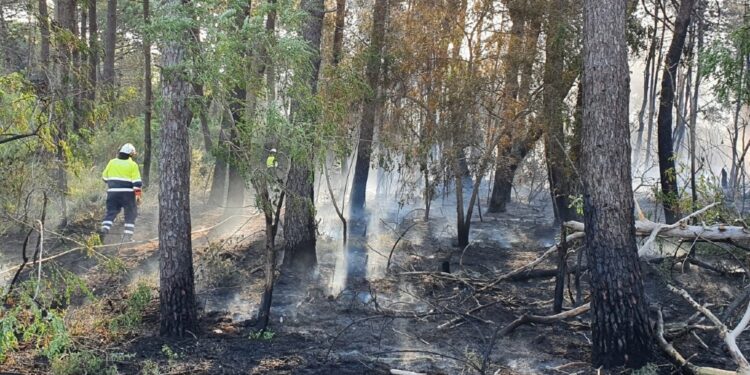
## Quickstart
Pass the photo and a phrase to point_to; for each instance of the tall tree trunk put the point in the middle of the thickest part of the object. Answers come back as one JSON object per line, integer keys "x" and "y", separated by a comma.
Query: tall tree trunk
{"x": 44, "y": 31}
{"x": 299, "y": 219}
{"x": 554, "y": 93}
{"x": 369, "y": 107}
{"x": 65, "y": 11}
{"x": 621, "y": 333}
{"x": 646, "y": 90}
{"x": 236, "y": 183}
{"x": 694, "y": 105}
{"x": 176, "y": 292}
{"x": 217, "y": 196}
{"x": 667, "y": 170}
{"x": 338, "y": 31}
{"x": 652, "y": 95}
{"x": 93, "y": 51}
{"x": 148, "y": 95}
{"x": 110, "y": 45}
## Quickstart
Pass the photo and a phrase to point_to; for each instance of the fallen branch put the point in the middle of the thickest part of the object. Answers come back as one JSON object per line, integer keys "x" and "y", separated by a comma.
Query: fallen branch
{"x": 716, "y": 233}
{"x": 729, "y": 337}
{"x": 544, "y": 319}
{"x": 677, "y": 358}
{"x": 552, "y": 250}
{"x": 390, "y": 255}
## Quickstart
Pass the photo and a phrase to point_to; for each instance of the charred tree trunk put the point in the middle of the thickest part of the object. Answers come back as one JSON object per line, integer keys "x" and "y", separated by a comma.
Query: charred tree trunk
{"x": 667, "y": 170}
{"x": 646, "y": 89}
{"x": 110, "y": 45}
{"x": 299, "y": 219}
{"x": 620, "y": 325}
{"x": 148, "y": 95}
{"x": 694, "y": 107}
{"x": 370, "y": 106}
{"x": 176, "y": 292}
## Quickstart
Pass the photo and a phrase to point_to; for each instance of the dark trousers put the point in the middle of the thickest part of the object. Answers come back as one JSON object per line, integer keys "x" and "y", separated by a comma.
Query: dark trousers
{"x": 121, "y": 200}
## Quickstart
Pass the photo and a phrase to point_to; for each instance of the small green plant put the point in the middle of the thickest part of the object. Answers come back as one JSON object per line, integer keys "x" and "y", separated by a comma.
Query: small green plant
{"x": 131, "y": 318}
{"x": 82, "y": 363}
{"x": 576, "y": 201}
{"x": 262, "y": 335}
{"x": 149, "y": 367}
{"x": 169, "y": 353}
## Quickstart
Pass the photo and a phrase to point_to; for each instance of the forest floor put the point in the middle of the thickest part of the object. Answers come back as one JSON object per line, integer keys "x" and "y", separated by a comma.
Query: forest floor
{"x": 392, "y": 320}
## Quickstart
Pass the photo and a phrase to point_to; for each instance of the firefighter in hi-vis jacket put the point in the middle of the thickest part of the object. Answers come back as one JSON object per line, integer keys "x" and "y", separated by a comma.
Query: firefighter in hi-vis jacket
{"x": 123, "y": 190}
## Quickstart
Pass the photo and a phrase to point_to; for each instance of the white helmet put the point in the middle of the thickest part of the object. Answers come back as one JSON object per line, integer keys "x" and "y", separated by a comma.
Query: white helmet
{"x": 273, "y": 150}
{"x": 127, "y": 149}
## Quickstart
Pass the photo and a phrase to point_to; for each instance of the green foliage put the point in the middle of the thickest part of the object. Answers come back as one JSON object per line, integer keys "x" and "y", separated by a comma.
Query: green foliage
{"x": 263, "y": 335}
{"x": 40, "y": 321}
{"x": 577, "y": 202}
{"x": 725, "y": 60}
{"x": 82, "y": 363}
{"x": 149, "y": 367}
{"x": 136, "y": 304}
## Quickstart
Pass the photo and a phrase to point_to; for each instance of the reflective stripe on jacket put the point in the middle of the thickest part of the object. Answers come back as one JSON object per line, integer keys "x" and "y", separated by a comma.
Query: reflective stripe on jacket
{"x": 122, "y": 175}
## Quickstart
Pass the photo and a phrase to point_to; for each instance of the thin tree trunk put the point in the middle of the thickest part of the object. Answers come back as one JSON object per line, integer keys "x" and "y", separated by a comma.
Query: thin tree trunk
{"x": 148, "y": 95}
{"x": 667, "y": 170}
{"x": 656, "y": 68}
{"x": 176, "y": 291}
{"x": 93, "y": 52}
{"x": 110, "y": 45}
{"x": 370, "y": 106}
{"x": 621, "y": 332}
{"x": 694, "y": 107}
{"x": 646, "y": 90}
{"x": 217, "y": 196}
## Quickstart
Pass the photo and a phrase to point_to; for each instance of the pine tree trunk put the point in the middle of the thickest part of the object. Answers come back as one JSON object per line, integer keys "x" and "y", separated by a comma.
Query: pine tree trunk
{"x": 176, "y": 292}
{"x": 93, "y": 52}
{"x": 110, "y": 45}
{"x": 370, "y": 106}
{"x": 299, "y": 219}
{"x": 148, "y": 96}
{"x": 667, "y": 170}
{"x": 621, "y": 333}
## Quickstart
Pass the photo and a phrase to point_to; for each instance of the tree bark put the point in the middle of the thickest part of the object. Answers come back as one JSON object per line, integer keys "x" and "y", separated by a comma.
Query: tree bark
{"x": 554, "y": 93}
{"x": 93, "y": 52}
{"x": 370, "y": 106}
{"x": 110, "y": 45}
{"x": 621, "y": 333}
{"x": 44, "y": 32}
{"x": 694, "y": 107}
{"x": 148, "y": 95}
{"x": 217, "y": 196}
{"x": 177, "y": 292}
{"x": 667, "y": 170}
{"x": 62, "y": 88}
{"x": 338, "y": 31}
{"x": 299, "y": 219}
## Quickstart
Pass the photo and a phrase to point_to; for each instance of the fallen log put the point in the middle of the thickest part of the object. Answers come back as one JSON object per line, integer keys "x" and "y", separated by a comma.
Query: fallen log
{"x": 717, "y": 233}
{"x": 679, "y": 230}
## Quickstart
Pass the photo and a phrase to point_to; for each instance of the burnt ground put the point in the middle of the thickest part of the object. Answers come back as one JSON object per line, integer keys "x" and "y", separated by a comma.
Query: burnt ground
{"x": 390, "y": 320}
